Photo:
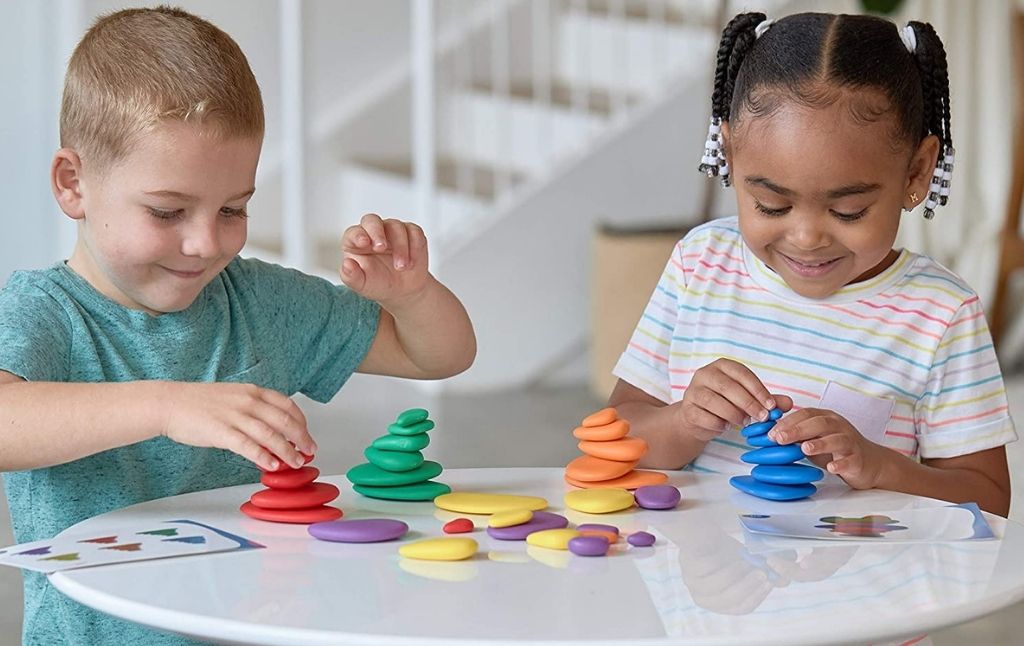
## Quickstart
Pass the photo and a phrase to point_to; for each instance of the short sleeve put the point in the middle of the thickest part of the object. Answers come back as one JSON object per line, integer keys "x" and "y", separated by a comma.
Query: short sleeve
{"x": 964, "y": 408}
{"x": 644, "y": 363}
{"x": 35, "y": 335}
{"x": 318, "y": 331}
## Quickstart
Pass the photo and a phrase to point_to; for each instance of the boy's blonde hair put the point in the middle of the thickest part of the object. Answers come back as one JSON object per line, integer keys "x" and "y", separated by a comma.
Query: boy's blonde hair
{"x": 136, "y": 67}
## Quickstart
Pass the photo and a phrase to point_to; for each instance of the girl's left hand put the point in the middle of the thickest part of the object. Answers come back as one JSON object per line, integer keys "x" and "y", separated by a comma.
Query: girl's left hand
{"x": 384, "y": 260}
{"x": 831, "y": 441}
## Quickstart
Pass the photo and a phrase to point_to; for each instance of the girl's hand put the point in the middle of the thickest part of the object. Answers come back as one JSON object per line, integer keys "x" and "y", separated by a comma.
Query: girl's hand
{"x": 384, "y": 260}
{"x": 256, "y": 423}
{"x": 724, "y": 393}
{"x": 831, "y": 441}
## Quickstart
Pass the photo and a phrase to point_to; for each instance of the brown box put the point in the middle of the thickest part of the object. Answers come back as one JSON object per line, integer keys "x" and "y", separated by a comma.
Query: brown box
{"x": 625, "y": 268}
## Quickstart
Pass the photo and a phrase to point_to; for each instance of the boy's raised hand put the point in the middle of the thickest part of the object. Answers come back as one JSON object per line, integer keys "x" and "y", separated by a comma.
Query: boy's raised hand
{"x": 725, "y": 393}
{"x": 256, "y": 423}
{"x": 831, "y": 441}
{"x": 384, "y": 260}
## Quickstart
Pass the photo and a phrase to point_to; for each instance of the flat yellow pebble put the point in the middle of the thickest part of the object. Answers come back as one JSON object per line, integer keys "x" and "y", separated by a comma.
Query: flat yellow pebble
{"x": 599, "y": 501}
{"x": 440, "y": 549}
{"x": 510, "y": 518}
{"x": 553, "y": 539}
{"x": 487, "y": 503}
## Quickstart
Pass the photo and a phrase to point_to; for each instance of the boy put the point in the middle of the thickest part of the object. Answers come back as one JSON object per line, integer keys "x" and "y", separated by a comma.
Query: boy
{"x": 155, "y": 361}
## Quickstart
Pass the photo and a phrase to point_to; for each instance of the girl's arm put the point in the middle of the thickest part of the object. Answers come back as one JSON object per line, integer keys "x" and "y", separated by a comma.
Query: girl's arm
{"x": 980, "y": 477}
{"x": 656, "y": 422}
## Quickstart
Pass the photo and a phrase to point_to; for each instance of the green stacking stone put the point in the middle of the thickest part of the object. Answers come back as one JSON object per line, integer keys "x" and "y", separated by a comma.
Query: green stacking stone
{"x": 420, "y": 491}
{"x": 415, "y": 429}
{"x": 412, "y": 416}
{"x": 374, "y": 476}
{"x": 393, "y": 460}
{"x": 402, "y": 442}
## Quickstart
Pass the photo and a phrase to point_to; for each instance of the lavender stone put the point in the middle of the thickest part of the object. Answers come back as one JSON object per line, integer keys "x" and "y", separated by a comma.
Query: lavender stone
{"x": 588, "y": 546}
{"x": 367, "y": 530}
{"x": 597, "y": 527}
{"x": 541, "y": 520}
{"x": 641, "y": 539}
{"x": 657, "y": 496}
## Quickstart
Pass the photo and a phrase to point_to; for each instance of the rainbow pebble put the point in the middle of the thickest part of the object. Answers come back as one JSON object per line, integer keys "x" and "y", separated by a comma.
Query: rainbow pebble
{"x": 458, "y": 526}
{"x": 440, "y": 549}
{"x": 510, "y": 518}
{"x": 657, "y": 496}
{"x": 553, "y": 539}
{"x": 599, "y": 501}
{"x": 588, "y": 546}
{"x": 363, "y": 530}
{"x": 641, "y": 539}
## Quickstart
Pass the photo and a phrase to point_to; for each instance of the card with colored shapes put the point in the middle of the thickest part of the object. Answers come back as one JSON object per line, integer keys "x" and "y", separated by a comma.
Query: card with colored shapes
{"x": 963, "y": 522}
{"x": 154, "y": 541}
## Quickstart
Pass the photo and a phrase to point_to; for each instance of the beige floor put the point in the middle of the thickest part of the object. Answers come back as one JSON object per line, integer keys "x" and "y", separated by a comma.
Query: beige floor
{"x": 531, "y": 428}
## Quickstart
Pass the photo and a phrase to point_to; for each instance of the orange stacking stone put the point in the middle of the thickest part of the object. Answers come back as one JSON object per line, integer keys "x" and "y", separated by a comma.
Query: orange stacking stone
{"x": 615, "y": 430}
{"x": 602, "y": 417}
{"x": 632, "y": 480}
{"x": 590, "y": 469}
{"x": 609, "y": 455}
{"x": 628, "y": 449}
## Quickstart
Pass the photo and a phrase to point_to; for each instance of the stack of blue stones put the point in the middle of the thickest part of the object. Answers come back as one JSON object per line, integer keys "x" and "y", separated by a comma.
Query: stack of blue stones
{"x": 776, "y": 476}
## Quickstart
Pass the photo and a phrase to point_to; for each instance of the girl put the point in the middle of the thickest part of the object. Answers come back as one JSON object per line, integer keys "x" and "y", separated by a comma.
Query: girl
{"x": 828, "y": 126}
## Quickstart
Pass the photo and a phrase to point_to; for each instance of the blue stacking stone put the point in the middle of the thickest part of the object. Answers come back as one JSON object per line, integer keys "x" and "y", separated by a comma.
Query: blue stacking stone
{"x": 788, "y": 474}
{"x": 761, "y": 440}
{"x": 784, "y": 454}
{"x": 775, "y": 414}
{"x": 768, "y": 491}
{"x": 757, "y": 428}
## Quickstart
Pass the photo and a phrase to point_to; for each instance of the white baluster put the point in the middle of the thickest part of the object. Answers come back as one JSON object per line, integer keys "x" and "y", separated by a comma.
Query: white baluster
{"x": 293, "y": 139}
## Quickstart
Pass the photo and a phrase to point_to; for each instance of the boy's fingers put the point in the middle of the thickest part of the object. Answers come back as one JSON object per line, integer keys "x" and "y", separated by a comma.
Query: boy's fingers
{"x": 375, "y": 229}
{"x": 398, "y": 243}
{"x": 353, "y": 275}
{"x": 417, "y": 245}
{"x": 248, "y": 448}
{"x": 742, "y": 374}
{"x": 356, "y": 239}
{"x": 285, "y": 425}
{"x": 263, "y": 434}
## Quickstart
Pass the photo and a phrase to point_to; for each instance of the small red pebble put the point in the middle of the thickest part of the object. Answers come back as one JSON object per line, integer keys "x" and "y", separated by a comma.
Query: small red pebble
{"x": 458, "y": 526}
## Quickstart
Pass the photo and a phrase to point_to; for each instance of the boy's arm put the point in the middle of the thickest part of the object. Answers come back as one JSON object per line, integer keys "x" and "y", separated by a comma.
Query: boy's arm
{"x": 429, "y": 336}
{"x": 47, "y": 423}
{"x": 424, "y": 331}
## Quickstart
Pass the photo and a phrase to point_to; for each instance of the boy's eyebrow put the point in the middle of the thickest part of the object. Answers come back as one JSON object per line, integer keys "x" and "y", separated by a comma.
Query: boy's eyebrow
{"x": 185, "y": 197}
{"x": 852, "y": 189}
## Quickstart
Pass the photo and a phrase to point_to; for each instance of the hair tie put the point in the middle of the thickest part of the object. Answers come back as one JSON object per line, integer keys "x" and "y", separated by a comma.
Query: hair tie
{"x": 762, "y": 27}
{"x": 909, "y": 38}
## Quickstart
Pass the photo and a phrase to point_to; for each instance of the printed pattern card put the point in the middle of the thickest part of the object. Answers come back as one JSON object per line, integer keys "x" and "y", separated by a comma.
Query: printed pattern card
{"x": 963, "y": 522}
{"x": 160, "y": 540}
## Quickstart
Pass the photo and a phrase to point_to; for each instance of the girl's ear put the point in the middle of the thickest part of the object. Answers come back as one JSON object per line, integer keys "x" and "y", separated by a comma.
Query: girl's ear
{"x": 66, "y": 182}
{"x": 919, "y": 173}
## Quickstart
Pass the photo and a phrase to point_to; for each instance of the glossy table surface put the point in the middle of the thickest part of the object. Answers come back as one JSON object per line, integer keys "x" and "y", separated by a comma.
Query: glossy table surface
{"x": 705, "y": 581}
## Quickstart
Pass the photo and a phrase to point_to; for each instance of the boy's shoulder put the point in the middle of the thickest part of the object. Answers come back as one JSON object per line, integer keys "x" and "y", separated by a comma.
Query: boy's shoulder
{"x": 47, "y": 285}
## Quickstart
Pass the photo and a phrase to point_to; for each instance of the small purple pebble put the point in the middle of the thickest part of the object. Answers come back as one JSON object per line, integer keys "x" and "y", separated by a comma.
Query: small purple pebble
{"x": 641, "y": 539}
{"x": 597, "y": 527}
{"x": 588, "y": 546}
{"x": 657, "y": 496}
{"x": 363, "y": 530}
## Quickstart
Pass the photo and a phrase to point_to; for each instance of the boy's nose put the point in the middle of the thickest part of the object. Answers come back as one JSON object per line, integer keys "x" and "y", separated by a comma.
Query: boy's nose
{"x": 202, "y": 239}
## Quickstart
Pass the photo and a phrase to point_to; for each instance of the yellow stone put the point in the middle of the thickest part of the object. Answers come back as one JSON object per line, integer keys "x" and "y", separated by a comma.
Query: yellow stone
{"x": 487, "y": 503}
{"x": 553, "y": 539}
{"x": 510, "y": 518}
{"x": 440, "y": 549}
{"x": 599, "y": 501}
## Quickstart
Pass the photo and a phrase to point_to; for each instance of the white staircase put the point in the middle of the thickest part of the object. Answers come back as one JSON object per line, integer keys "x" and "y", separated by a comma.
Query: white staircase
{"x": 552, "y": 117}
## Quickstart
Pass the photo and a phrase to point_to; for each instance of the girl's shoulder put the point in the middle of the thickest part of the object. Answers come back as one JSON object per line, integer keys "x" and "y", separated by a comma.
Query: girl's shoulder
{"x": 927, "y": 278}
{"x": 718, "y": 238}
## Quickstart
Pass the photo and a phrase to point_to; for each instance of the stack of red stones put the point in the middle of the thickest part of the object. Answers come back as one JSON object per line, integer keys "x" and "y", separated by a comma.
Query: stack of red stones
{"x": 610, "y": 455}
{"x": 292, "y": 496}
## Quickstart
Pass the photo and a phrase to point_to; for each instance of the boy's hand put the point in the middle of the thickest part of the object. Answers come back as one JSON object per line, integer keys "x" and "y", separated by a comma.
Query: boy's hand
{"x": 724, "y": 393}
{"x": 384, "y": 260}
{"x": 831, "y": 441}
{"x": 256, "y": 423}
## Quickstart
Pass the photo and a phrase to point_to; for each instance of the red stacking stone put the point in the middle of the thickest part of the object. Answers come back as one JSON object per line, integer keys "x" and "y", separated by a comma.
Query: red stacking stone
{"x": 290, "y": 479}
{"x": 310, "y": 495}
{"x": 305, "y": 516}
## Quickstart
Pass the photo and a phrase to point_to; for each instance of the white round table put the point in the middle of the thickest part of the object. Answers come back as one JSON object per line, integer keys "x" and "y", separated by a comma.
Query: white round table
{"x": 705, "y": 581}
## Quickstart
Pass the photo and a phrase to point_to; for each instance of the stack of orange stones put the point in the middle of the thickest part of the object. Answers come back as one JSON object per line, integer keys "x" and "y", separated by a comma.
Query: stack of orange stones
{"x": 610, "y": 455}
{"x": 292, "y": 496}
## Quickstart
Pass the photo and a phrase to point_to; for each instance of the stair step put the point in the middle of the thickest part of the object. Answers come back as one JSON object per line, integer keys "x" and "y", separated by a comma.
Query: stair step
{"x": 480, "y": 180}
{"x": 598, "y": 101}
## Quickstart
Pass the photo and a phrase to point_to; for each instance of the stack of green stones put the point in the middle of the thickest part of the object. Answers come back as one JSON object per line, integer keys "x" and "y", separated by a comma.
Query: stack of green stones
{"x": 396, "y": 469}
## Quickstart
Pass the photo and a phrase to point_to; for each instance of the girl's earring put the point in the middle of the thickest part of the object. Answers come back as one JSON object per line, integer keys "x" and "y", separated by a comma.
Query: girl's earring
{"x": 913, "y": 202}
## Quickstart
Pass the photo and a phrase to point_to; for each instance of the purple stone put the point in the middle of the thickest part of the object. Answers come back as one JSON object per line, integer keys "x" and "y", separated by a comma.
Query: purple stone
{"x": 365, "y": 530}
{"x": 657, "y": 496}
{"x": 588, "y": 546}
{"x": 641, "y": 539}
{"x": 541, "y": 520}
{"x": 597, "y": 527}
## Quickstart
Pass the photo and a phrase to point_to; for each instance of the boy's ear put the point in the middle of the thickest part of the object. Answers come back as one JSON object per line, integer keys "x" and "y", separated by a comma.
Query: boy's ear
{"x": 66, "y": 182}
{"x": 919, "y": 174}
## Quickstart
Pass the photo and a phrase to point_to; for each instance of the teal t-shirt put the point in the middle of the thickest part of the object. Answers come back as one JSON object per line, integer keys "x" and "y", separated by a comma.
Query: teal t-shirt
{"x": 255, "y": 323}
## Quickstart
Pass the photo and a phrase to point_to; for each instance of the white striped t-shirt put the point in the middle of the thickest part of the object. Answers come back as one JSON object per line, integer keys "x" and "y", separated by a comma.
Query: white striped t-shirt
{"x": 914, "y": 334}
